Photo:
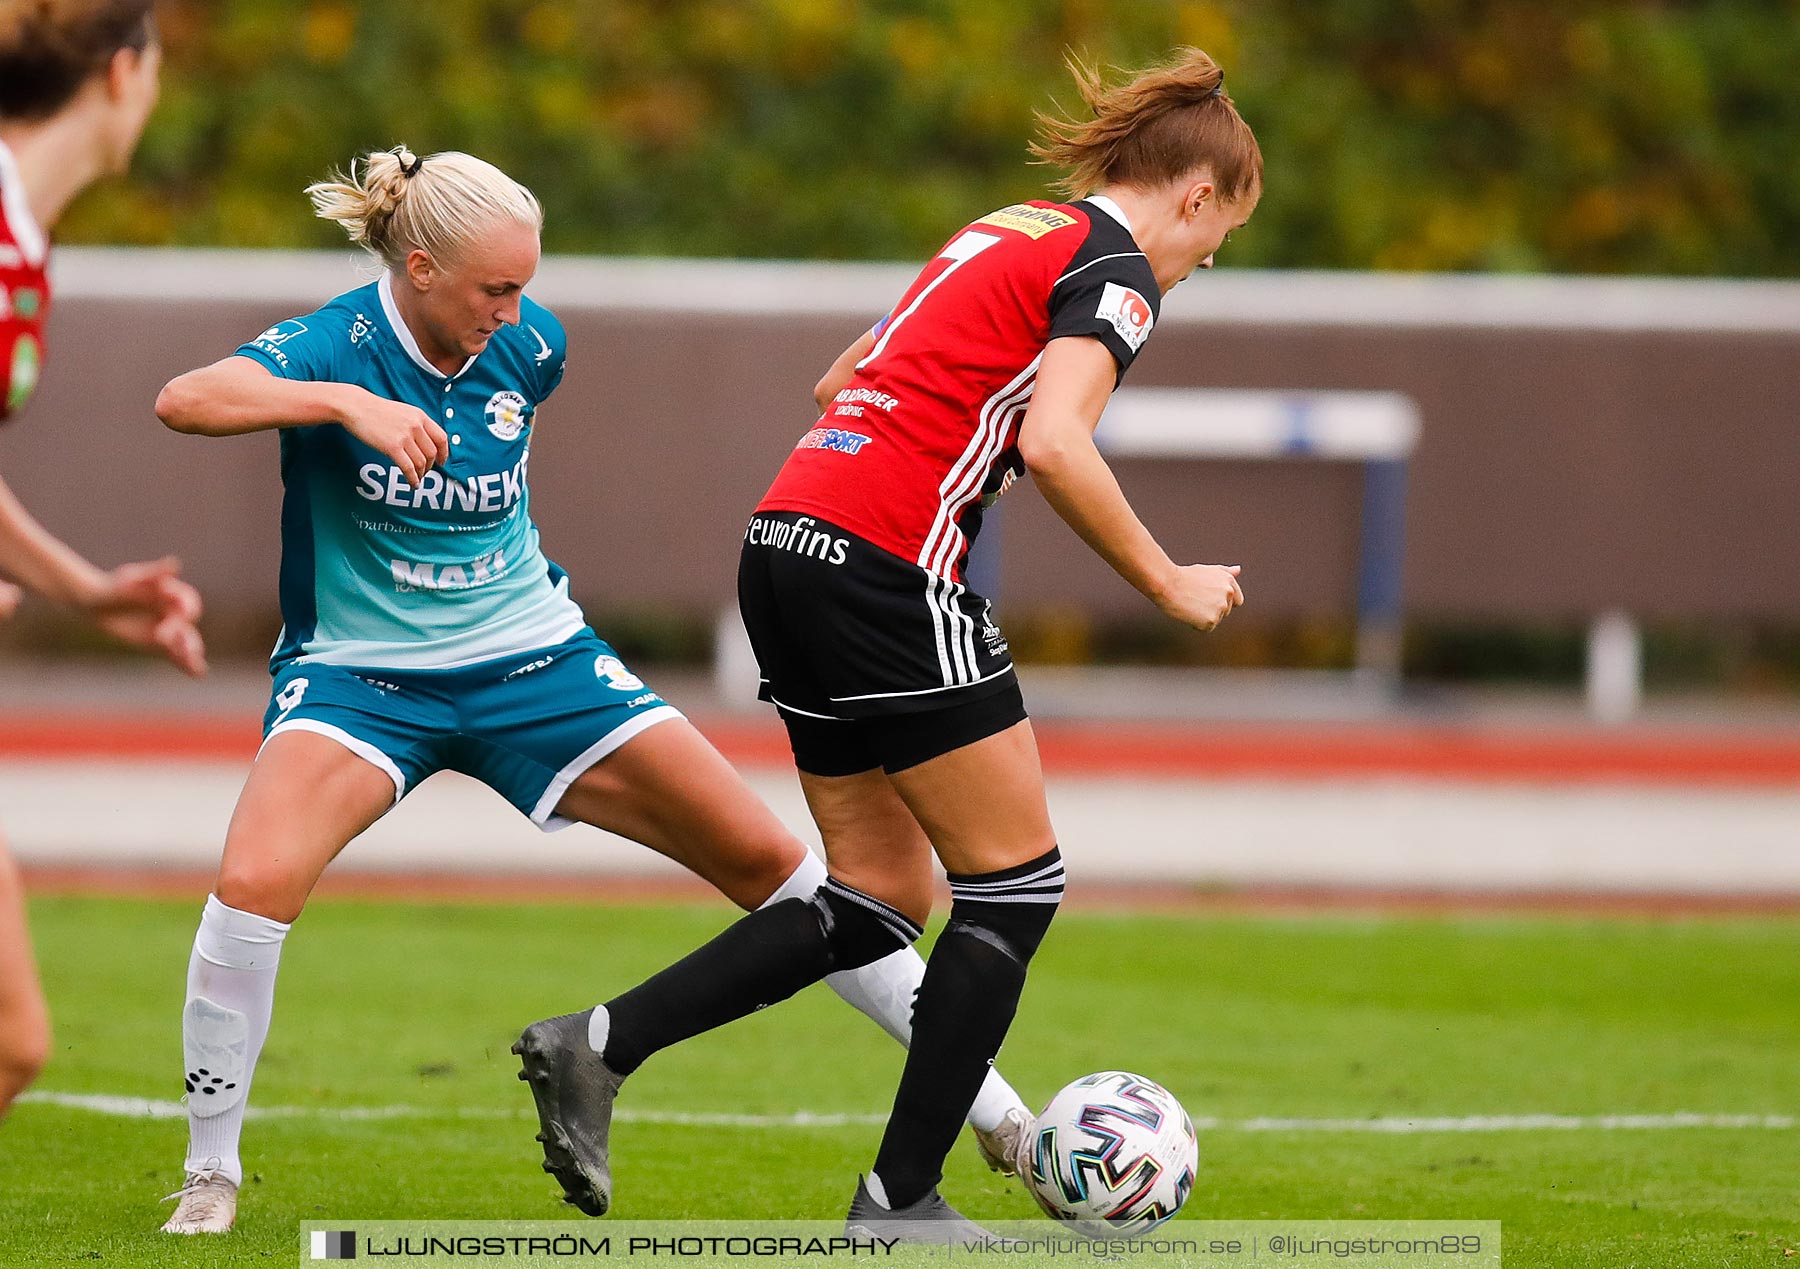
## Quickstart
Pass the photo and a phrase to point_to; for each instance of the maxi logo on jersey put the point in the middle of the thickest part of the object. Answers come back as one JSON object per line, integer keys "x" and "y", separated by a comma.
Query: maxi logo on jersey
{"x": 412, "y": 575}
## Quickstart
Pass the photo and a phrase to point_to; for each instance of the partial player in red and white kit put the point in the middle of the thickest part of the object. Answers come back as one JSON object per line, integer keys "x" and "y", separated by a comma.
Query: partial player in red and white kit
{"x": 77, "y": 81}
{"x": 892, "y": 677}
{"x": 24, "y": 290}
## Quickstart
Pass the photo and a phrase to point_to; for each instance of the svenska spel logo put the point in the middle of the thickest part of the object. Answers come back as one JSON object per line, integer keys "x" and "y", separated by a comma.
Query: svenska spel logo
{"x": 334, "y": 1244}
{"x": 280, "y": 333}
{"x": 1128, "y": 312}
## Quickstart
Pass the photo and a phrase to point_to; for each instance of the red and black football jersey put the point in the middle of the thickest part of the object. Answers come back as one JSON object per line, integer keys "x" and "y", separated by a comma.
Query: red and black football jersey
{"x": 925, "y": 434}
{"x": 24, "y": 290}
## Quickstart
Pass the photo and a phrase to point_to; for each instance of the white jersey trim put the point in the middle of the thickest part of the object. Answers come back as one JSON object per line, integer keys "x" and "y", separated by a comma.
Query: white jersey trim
{"x": 403, "y": 332}
{"x": 26, "y": 231}
{"x": 355, "y": 744}
{"x": 1111, "y": 208}
{"x": 923, "y": 691}
{"x": 804, "y": 713}
{"x": 954, "y": 628}
{"x": 1117, "y": 255}
{"x": 544, "y": 813}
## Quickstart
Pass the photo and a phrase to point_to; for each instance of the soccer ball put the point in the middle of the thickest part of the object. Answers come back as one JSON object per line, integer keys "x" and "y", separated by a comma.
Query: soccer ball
{"x": 1113, "y": 1156}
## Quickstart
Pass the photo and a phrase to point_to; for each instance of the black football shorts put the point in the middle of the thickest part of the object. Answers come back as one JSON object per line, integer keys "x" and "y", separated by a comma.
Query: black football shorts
{"x": 844, "y": 631}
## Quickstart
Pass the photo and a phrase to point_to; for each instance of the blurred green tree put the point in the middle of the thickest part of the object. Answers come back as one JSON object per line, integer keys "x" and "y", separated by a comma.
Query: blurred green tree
{"x": 1631, "y": 136}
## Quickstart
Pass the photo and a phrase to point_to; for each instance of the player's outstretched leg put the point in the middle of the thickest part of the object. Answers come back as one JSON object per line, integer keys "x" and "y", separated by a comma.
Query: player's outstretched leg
{"x": 575, "y": 1063}
{"x": 670, "y": 790}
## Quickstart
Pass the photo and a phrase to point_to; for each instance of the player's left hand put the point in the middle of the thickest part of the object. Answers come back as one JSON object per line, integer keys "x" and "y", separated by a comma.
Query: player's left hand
{"x": 147, "y": 605}
{"x": 10, "y": 596}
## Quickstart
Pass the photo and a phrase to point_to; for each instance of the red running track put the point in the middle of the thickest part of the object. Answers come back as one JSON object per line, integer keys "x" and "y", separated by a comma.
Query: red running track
{"x": 1085, "y": 748}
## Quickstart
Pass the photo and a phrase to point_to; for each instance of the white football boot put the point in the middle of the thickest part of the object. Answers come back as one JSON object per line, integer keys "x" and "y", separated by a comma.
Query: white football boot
{"x": 208, "y": 1205}
{"x": 1004, "y": 1148}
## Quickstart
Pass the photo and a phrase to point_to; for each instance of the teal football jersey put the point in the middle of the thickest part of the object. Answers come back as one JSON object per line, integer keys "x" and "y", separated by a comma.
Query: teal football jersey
{"x": 377, "y": 573}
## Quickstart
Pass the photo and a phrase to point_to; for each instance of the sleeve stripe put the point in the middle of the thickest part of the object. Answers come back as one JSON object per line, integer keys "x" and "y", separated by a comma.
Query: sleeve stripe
{"x": 1117, "y": 255}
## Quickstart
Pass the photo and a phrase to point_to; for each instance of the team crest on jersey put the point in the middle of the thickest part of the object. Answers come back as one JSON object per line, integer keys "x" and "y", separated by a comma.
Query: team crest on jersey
{"x": 1129, "y": 313}
{"x": 506, "y": 413}
{"x": 616, "y": 675}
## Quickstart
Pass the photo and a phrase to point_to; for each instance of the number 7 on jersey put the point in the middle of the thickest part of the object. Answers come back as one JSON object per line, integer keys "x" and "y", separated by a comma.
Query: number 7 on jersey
{"x": 961, "y": 249}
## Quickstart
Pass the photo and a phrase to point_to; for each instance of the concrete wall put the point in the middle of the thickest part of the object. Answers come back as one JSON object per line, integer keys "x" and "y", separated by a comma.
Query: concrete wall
{"x": 1588, "y": 444}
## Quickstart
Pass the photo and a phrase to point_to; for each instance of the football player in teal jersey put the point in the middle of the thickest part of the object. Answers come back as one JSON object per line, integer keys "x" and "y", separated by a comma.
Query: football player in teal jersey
{"x": 424, "y": 629}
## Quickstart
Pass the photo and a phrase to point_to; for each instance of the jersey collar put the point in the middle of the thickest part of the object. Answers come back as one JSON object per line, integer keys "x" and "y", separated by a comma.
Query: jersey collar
{"x": 25, "y": 229}
{"x": 1111, "y": 208}
{"x": 403, "y": 332}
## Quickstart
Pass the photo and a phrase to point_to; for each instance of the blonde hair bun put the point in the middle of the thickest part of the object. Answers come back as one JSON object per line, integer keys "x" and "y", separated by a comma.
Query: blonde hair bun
{"x": 392, "y": 202}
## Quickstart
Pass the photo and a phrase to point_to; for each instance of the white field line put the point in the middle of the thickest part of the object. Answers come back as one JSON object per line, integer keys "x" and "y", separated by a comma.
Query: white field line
{"x": 146, "y": 1108}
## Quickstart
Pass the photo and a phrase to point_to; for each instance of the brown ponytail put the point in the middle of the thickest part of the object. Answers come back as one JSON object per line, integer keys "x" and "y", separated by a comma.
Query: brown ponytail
{"x": 49, "y": 48}
{"x": 1158, "y": 127}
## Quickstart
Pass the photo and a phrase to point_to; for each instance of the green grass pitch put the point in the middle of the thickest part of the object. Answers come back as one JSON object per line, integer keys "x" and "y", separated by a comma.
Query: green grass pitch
{"x": 1323, "y": 1017}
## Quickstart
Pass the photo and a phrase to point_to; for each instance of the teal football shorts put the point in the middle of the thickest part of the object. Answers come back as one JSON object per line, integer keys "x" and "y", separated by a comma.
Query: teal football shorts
{"x": 525, "y": 725}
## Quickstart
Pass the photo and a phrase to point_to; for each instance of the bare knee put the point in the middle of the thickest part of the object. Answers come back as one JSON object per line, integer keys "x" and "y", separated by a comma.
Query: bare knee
{"x": 756, "y": 868}
{"x": 260, "y": 889}
{"x": 898, "y": 871}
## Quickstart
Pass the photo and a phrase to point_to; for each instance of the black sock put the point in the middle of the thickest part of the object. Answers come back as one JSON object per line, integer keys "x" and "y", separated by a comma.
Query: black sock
{"x": 765, "y": 957}
{"x": 966, "y": 1003}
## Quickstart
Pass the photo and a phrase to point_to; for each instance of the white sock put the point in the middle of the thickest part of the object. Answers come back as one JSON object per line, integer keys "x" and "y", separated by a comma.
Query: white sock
{"x": 230, "y": 997}
{"x": 808, "y": 875}
{"x": 877, "y": 1191}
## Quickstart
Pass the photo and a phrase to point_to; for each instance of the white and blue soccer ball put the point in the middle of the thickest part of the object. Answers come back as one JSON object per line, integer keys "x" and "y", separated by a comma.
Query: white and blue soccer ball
{"x": 1112, "y": 1156}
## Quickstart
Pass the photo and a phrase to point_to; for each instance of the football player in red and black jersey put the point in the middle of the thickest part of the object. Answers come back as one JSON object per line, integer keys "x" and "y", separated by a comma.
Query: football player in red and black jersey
{"x": 77, "y": 81}
{"x": 893, "y": 679}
